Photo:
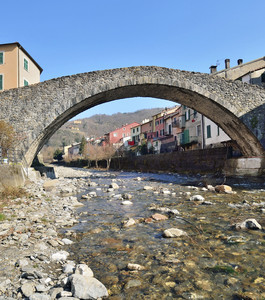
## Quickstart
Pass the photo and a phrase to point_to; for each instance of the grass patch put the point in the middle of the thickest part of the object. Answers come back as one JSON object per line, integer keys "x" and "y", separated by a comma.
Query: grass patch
{"x": 222, "y": 269}
{"x": 2, "y": 217}
{"x": 13, "y": 193}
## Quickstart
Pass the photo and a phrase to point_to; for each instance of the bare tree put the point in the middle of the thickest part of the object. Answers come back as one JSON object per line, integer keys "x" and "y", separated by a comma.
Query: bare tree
{"x": 7, "y": 137}
{"x": 108, "y": 152}
{"x": 93, "y": 152}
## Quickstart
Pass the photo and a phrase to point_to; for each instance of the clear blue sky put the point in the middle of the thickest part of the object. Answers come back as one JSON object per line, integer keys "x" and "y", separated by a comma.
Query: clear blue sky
{"x": 68, "y": 37}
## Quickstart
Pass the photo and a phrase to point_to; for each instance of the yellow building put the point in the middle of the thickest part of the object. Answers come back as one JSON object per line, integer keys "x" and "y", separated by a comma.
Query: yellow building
{"x": 17, "y": 67}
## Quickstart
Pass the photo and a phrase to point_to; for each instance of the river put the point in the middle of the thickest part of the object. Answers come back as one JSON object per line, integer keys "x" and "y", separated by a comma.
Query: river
{"x": 212, "y": 261}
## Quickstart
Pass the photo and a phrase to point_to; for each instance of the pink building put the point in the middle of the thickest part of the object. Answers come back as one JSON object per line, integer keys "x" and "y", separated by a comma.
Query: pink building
{"x": 118, "y": 136}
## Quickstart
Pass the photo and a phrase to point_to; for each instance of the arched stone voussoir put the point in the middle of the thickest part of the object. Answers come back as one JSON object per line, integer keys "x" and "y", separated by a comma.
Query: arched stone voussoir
{"x": 39, "y": 110}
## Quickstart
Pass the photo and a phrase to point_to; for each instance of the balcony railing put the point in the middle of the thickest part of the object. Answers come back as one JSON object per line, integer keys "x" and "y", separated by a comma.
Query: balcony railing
{"x": 176, "y": 124}
{"x": 188, "y": 140}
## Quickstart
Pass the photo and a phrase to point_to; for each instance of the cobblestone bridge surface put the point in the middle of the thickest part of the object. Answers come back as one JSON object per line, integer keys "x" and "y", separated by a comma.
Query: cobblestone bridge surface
{"x": 37, "y": 111}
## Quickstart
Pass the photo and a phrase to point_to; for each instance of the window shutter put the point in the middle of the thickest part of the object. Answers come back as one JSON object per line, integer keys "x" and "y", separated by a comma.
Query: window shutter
{"x": 1, "y": 82}
{"x": 1, "y": 58}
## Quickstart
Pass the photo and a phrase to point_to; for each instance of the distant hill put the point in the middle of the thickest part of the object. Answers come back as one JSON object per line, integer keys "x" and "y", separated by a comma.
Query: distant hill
{"x": 97, "y": 126}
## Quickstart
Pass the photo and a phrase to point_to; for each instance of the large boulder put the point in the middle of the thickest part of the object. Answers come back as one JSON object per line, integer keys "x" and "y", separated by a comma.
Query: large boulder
{"x": 85, "y": 287}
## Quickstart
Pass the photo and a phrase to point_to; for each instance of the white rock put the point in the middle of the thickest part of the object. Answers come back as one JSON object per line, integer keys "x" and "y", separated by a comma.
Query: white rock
{"x": 148, "y": 188}
{"x": 92, "y": 194}
{"x": 197, "y": 198}
{"x": 129, "y": 222}
{"x": 174, "y": 232}
{"x": 114, "y": 185}
{"x": 126, "y": 202}
{"x": 59, "y": 256}
{"x": 69, "y": 268}
{"x": 248, "y": 224}
{"x": 67, "y": 241}
{"x": 135, "y": 267}
{"x": 28, "y": 288}
{"x": 65, "y": 294}
{"x": 87, "y": 287}
{"x": 38, "y": 296}
{"x": 84, "y": 270}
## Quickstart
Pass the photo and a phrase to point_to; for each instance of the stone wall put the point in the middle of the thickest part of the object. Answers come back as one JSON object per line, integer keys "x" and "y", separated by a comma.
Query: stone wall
{"x": 11, "y": 176}
{"x": 194, "y": 161}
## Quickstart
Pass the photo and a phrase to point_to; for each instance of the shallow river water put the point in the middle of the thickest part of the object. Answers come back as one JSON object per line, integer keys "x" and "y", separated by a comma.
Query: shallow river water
{"x": 213, "y": 261}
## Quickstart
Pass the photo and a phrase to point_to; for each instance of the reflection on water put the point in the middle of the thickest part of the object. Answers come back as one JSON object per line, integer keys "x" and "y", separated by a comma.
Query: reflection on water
{"x": 212, "y": 262}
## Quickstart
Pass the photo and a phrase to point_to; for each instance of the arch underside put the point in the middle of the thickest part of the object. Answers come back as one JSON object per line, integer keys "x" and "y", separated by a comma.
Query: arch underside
{"x": 231, "y": 124}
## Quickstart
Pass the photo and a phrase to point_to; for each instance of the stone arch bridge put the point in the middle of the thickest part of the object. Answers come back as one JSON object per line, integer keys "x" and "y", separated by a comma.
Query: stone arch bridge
{"x": 37, "y": 111}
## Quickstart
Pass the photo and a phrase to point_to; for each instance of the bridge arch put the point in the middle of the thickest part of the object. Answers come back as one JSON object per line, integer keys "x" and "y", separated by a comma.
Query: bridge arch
{"x": 41, "y": 109}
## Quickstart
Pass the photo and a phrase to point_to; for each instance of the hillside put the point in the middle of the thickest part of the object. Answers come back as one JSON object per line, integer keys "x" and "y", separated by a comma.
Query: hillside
{"x": 97, "y": 126}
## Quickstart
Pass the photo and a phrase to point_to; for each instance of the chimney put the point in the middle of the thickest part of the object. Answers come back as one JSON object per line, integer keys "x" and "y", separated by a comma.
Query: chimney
{"x": 213, "y": 69}
{"x": 227, "y": 63}
{"x": 240, "y": 61}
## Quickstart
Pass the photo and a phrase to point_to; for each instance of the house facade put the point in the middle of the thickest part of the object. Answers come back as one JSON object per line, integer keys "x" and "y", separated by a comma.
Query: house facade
{"x": 17, "y": 67}
{"x": 191, "y": 123}
{"x": 252, "y": 72}
{"x": 119, "y": 136}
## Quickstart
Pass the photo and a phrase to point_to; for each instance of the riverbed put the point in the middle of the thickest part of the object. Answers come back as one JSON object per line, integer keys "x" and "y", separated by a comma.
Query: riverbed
{"x": 212, "y": 260}
{"x": 125, "y": 235}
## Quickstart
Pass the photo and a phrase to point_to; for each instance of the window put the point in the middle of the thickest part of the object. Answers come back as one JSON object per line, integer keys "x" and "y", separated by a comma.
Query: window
{"x": 133, "y": 130}
{"x": 1, "y": 58}
{"x": 169, "y": 129}
{"x": 137, "y": 129}
{"x": 187, "y": 115}
{"x": 1, "y": 82}
{"x": 26, "y": 83}
{"x": 199, "y": 130}
{"x": 208, "y": 131}
{"x": 195, "y": 113}
{"x": 218, "y": 130}
{"x": 26, "y": 64}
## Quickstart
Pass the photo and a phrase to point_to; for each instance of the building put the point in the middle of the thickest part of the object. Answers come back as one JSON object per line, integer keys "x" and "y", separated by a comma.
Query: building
{"x": 192, "y": 135}
{"x": 170, "y": 141}
{"x": 17, "y": 67}
{"x": 252, "y": 72}
{"x": 120, "y": 135}
{"x": 214, "y": 136}
{"x": 135, "y": 134}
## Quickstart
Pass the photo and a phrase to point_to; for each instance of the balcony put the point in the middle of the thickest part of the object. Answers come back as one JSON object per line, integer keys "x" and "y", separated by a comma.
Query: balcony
{"x": 184, "y": 140}
{"x": 176, "y": 124}
{"x": 168, "y": 133}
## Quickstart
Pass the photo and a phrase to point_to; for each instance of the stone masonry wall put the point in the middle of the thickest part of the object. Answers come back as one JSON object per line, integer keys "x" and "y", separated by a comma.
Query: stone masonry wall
{"x": 37, "y": 111}
{"x": 195, "y": 161}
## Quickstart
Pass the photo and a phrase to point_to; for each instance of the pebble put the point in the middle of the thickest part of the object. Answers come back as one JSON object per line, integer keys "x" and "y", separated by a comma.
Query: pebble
{"x": 174, "y": 232}
{"x": 197, "y": 198}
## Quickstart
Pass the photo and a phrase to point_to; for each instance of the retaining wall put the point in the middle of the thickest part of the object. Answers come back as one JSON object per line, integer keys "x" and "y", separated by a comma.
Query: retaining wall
{"x": 194, "y": 161}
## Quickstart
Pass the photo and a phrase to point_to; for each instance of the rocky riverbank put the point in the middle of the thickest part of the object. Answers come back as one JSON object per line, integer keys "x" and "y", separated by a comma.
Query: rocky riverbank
{"x": 33, "y": 256}
{"x": 145, "y": 237}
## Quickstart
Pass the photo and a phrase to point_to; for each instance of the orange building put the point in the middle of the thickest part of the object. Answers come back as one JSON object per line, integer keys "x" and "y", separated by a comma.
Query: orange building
{"x": 17, "y": 67}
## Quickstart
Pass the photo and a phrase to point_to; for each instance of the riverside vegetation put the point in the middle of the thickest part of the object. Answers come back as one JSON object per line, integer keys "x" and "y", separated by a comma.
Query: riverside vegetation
{"x": 94, "y": 234}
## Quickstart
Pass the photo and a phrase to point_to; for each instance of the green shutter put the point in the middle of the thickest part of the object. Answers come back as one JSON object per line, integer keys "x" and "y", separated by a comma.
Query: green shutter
{"x": 1, "y": 58}
{"x": 1, "y": 82}
{"x": 26, "y": 64}
{"x": 26, "y": 83}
